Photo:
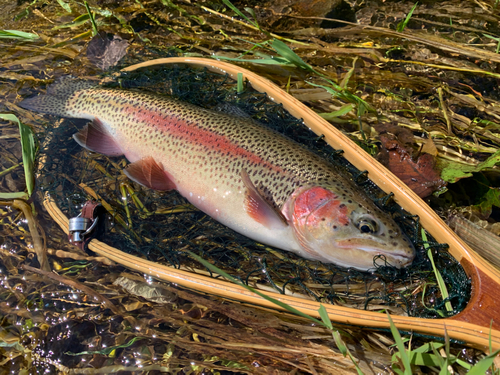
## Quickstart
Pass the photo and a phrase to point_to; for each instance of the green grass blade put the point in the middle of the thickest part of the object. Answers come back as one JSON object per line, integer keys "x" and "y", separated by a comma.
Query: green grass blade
{"x": 402, "y": 25}
{"x": 252, "y": 13}
{"x": 14, "y": 34}
{"x": 424, "y": 359}
{"x": 333, "y": 91}
{"x": 344, "y": 110}
{"x": 338, "y": 92}
{"x": 28, "y": 150}
{"x": 340, "y": 343}
{"x": 269, "y": 61}
{"x": 240, "y": 86}
{"x": 483, "y": 365}
{"x": 401, "y": 347}
{"x": 464, "y": 364}
{"x": 289, "y": 308}
{"x": 334, "y": 85}
{"x": 492, "y": 37}
{"x": 361, "y": 109}
{"x": 286, "y": 52}
{"x": 18, "y": 195}
{"x": 345, "y": 350}
{"x": 496, "y": 40}
{"x": 78, "y": 21}
{"x": 438, "y": 356}
{"x": 444, "y": 370}
{"x": 324, "y": 317}
{"x": 10, "y": 169}
{"x": 439, "y": 278}
{"x": 64, "y": 5}
{"x": 92, "y": 19}
{"x": 239, "y": 13}
{"x": 326, "y": 322}
{"x": 348, "y": 75}
{"x": 446, "y": 348}
{"x": 427, "y": 347}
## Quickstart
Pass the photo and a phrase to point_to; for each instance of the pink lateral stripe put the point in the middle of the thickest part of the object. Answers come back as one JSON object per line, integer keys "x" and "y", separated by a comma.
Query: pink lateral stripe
{"x": 192, "y": 133}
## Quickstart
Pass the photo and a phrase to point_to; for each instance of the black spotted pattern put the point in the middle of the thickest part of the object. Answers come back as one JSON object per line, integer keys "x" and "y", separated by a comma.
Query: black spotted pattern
{"x": 208, "y": 147}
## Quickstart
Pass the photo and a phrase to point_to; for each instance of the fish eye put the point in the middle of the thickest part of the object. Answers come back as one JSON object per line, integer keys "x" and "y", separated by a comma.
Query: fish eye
{"x": 367, "y": 225}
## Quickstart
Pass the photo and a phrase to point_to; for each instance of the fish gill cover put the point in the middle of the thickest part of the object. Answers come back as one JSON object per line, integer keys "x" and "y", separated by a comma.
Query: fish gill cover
{"x": 162, "y": 227}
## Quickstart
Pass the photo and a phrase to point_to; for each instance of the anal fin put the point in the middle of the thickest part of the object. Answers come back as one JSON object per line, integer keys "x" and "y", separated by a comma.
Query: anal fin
{"x": 259, "y": 208}
{"x": 149, "y": 173}
{"x": 95, "y": 137}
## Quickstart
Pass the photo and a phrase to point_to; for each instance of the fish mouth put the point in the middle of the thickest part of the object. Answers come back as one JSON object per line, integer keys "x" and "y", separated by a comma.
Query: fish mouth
{"x": 397, "y": 260}
{"x": 396, "y": 257}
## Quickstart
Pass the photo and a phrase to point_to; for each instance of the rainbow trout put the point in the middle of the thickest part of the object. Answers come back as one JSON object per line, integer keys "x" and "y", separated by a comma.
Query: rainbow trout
{"x": 246, "y": 176}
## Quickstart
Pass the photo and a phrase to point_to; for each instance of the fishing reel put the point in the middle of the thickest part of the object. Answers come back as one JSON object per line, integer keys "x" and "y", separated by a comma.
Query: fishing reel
{"x": 84, "y": 227}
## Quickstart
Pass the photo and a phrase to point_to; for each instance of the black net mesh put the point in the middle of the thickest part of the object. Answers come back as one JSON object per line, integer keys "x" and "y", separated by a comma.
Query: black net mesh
{"x": 162, "y": 226}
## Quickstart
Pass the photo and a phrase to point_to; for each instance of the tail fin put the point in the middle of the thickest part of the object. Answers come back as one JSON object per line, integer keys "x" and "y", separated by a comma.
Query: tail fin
{"x": 54, "y": 101}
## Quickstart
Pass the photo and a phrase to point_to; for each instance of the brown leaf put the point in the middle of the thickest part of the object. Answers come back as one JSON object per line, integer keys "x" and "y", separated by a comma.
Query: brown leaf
{"x": 429, "y": 147}
{"x": 420, "y": 176}
{"x": 105, "y": 50}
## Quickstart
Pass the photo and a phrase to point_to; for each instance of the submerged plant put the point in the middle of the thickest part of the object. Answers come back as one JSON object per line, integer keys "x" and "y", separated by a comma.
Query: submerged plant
{"x": 28, "y": 145}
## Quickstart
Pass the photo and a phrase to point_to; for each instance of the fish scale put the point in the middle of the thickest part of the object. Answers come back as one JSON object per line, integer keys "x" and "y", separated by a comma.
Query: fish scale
{"x": 249, "y": 177}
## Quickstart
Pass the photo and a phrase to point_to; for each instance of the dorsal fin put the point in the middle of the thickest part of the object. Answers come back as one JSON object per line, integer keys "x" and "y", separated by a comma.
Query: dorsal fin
{"x": 54, "y": 101}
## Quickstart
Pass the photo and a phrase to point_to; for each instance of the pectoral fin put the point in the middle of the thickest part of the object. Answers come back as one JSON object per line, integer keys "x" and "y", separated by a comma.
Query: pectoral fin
{"x": 94, "y": 137}
{"x": 259, "y": 208}
{"x": 149, "y": 173}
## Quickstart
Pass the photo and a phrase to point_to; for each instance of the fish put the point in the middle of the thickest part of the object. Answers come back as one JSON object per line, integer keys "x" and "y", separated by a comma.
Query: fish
{"x": 245, "y": 175}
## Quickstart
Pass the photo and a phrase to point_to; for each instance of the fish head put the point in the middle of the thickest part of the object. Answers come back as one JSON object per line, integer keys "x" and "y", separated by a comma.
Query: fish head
{"x": 345, "y": 229}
